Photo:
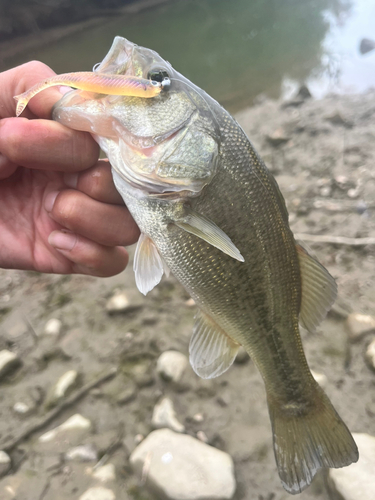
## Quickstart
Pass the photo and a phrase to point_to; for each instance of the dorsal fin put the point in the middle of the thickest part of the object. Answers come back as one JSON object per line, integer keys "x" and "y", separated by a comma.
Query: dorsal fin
{"x": 211, "y": 350}
{"x": 319, "y": 290}
{"x": 148, "y": 265}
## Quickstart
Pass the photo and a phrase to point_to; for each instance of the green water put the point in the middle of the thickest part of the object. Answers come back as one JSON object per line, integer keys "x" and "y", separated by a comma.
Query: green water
{"x": 234, "y": 49}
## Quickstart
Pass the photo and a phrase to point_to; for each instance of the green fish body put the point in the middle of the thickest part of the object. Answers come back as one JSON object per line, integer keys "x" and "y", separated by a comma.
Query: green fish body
{"x": 211, "y": 213}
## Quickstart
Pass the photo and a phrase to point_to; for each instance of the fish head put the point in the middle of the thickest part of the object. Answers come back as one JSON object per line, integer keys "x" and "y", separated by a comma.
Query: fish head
{"x": 162, "y": 145}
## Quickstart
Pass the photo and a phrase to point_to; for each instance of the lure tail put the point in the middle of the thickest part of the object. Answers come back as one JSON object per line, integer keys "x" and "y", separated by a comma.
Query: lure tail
{"x": 305, "y": 441}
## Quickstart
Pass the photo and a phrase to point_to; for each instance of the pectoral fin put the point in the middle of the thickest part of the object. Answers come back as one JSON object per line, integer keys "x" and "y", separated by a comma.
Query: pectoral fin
{"x": 319, "y": 290}
{"x": 148, "y": 265}
{"x": 211, "y": 350}
{"x": 208, "y": 231}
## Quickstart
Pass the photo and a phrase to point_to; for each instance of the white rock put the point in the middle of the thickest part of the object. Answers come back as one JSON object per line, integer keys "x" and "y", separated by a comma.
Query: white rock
{"x": 105, "y": 473}
{"x": 198, "y": 417}
{"x": 370, "y": 355}
{"x": 358, "y": 325}
{"x": 5, "y": 463}
{"x": 202, "y": 436}
{"x": 119, "y": 302}
{"x": 84, "y": 453}
{"x": 181, "y": 467}
{"x": 62, "y": 387}
{"x": 53, "y": 327}
{"x": 66, "y": 435}
{"x": 22, "y": 408}
{"x": 165, "y": 416}
{"x": 98, "y": 493}
{"x": 8, "y": 361}
{"x": 356, "y": 482}
{"x": 320, "y": 378}
{"x": 171, "y": 365}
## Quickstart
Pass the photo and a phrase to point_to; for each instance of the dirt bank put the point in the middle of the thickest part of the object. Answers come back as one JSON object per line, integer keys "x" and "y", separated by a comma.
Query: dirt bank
{"x": 322, "y": 154}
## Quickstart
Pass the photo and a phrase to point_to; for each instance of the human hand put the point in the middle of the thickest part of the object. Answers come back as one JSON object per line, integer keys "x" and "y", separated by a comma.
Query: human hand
{"x": 59, "y": 211}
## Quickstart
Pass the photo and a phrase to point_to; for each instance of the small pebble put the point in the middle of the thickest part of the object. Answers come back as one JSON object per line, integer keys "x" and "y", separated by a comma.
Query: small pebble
{"x": 202, "y": 437}
{"x": 68, "y": 434}
{"x": 118, "y": 303}
{"x": 190, "y": 302}
{"x": 9, "y": 361}
{"x": 98, "y": 493}
{"x": 84, "y": 453}
{"x": 5, "y": 463}
{"x": 63, "y": 387}
{"x": 53, "y": 327}
{"x": 105, "y": 473}
{"x": 358, "y": 325}
{"x": 138, "y": 438}
{"x": 171, "y": 365}
{"x": 278, "y": 137}
{"x": 198, "y": 417}
{"x": 23, "y": 409}
{"x": 370, "y": 355}
{"x": 126, "y": 396}
{"x": 165, "y": 416}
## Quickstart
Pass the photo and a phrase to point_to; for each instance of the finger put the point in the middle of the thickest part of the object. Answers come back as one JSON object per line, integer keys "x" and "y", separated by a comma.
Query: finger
{"x": 7, "y": 168}
{"x": 46, "y": 145}
{"x": 96, "y": 182}
{"x": 87, "y": 256}
{"x": 17, "y": 80}
{"x": 110, "y": 225}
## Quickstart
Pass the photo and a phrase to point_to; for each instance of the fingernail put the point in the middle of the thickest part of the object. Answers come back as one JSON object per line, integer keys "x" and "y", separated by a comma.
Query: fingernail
{"x": 50, "y": 200}
{"x": 62, "y": 240}
{"x": 71, "y": 180}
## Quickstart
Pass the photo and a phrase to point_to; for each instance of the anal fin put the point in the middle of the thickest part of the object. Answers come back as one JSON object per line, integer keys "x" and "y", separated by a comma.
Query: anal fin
{"x": 319, "y": 290}
{"x": 211, "y": 350}
{"x": 148, "y": 264}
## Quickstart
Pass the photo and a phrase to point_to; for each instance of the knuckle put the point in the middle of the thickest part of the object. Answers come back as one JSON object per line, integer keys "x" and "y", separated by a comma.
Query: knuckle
{"x": 66, "y": 207}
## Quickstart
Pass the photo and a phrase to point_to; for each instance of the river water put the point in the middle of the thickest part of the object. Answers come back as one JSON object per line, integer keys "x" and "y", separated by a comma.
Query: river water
{"x": 238, "y": 49}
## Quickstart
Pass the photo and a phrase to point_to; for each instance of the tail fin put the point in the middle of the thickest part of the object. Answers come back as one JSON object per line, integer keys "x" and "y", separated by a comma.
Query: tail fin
{"x": 305, "y": 441}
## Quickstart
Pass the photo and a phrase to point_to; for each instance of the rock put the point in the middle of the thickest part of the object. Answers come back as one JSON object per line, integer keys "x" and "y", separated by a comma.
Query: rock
{"x": 357, "y": 481}
{"x": 337, "y": 118}
{"x": 98, "y": 493}
{"x": 126, "y": 396}
{"x": 370, "y": 355}
{"x": 5, "y": 463}
{"x": 84, "y": 453}
{"x": 66, "y": 435}
{"x": 358, "y": 325}
{"x": 366, "y": 45}
{"x": 198, "y": 417}
{"x": 165, "y": 416}
{"x": 120, "y": 302}
{"x": 24, "y": 409}
{"x": 180, "y": 466}
{"x": 62, "y": 388}
{"x": 53, "y": 327}
{"x": 105, "y": 473}
{"x": 202, "y": 437}
{"x": 190, "y": 302}
{"x": 320, "y": 378}
{"x": 279, "y": 136}
{"x": 303, "y": 93}
{"x": 9, "y": 361}
{"x": 171, "y": 365}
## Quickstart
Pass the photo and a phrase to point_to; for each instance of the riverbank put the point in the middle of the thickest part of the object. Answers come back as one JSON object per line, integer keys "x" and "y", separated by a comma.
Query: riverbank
{"x": 322, "y": 154}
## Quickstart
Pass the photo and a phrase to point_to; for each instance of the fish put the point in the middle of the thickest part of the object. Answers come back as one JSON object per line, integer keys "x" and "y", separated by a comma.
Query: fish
{"x": 211, "y": 213}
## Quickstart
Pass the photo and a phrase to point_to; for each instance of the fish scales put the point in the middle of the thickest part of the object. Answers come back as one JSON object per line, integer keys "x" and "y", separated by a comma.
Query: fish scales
{"x": 210, "y": 212}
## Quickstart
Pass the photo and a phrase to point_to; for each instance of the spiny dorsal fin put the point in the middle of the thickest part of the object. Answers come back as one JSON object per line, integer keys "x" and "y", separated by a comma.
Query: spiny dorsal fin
{"x": 207, "y": 230}
{"x": 319, "y": 290}
{"x": 212, "y": 352}
{"x": 148, "y": 265}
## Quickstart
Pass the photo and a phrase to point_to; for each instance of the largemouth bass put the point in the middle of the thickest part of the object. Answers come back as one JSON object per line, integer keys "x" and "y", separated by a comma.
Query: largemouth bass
{"x": 211, "y": 213}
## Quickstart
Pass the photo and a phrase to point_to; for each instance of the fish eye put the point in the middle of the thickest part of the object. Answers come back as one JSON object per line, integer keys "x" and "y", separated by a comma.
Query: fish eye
{"x": 158, "y": 75}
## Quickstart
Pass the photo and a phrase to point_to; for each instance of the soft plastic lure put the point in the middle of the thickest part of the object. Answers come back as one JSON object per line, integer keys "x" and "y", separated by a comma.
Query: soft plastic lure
{"x": 94, "y": 82}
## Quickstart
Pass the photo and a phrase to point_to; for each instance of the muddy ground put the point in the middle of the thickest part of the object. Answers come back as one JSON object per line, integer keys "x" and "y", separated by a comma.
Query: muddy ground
{"x": 322, "y": 154}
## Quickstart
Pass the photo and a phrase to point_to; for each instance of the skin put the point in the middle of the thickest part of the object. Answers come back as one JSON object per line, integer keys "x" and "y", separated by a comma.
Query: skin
{"x": 60, "y": 212}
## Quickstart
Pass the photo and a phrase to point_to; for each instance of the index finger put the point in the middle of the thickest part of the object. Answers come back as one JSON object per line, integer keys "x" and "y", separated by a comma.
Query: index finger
{"x": 17, "y": 80}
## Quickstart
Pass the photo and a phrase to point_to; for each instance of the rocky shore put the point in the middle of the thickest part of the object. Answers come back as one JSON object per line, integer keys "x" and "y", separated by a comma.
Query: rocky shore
{"x": 98, "y": 401}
